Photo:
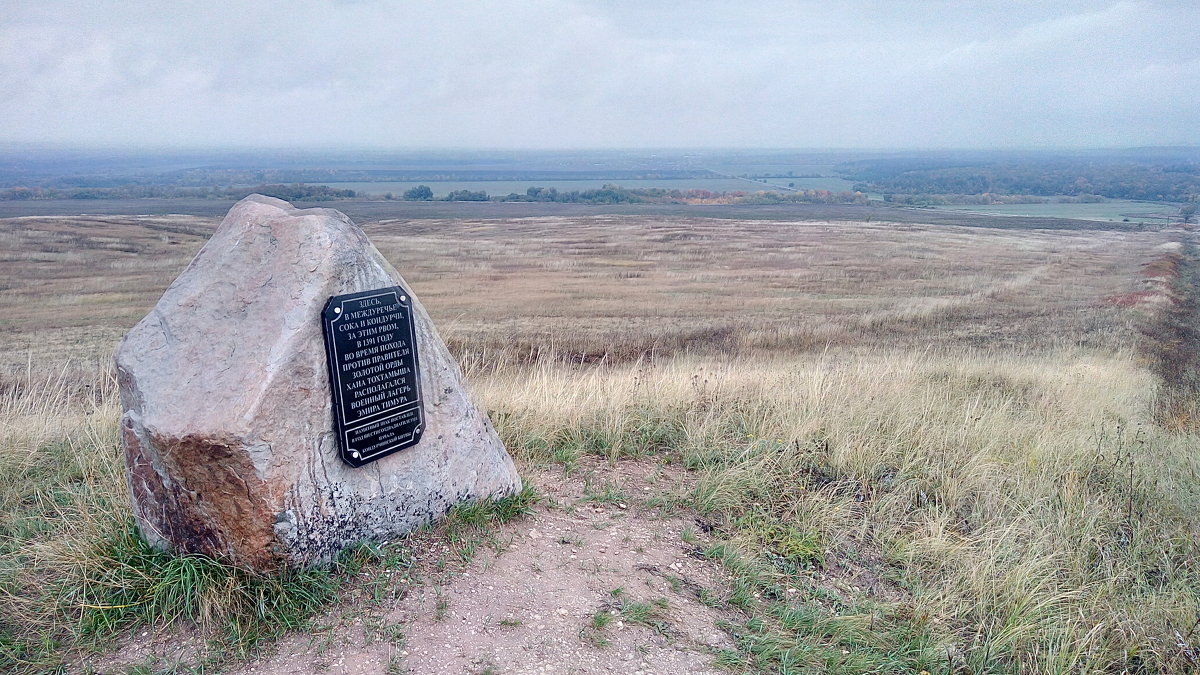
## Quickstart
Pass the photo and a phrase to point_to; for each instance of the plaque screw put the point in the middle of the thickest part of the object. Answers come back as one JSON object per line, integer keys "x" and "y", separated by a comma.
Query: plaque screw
{"x": 337, "y": 310}
{"x": 355, "y": 455}
{"x": 403, "y": 298}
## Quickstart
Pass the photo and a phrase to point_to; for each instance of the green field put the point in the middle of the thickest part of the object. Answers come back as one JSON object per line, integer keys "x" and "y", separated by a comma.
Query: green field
{"x": 1116, "y": 210}
{"x": 501, "y": 188}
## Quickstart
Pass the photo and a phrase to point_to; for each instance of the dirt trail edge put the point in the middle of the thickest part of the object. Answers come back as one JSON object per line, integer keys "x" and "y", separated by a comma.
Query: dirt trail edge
{"x": 1172, "y": 337}
{"x": 591, "y": 582}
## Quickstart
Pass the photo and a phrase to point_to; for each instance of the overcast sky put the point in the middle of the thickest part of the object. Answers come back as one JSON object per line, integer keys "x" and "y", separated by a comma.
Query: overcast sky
{"x": 563, "y": 74}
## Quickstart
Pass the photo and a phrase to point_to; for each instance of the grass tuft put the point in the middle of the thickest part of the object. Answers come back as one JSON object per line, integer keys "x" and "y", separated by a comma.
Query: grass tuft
{"x": 483, "y": 513}
{"x": 125, "y": 582}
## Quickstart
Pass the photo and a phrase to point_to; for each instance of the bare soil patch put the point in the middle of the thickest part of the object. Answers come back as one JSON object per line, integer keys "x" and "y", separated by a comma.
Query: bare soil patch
{"x": 531, "y": 606}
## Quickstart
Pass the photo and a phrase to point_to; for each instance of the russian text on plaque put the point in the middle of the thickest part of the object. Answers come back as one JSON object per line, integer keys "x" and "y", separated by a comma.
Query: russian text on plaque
{"x": 371, "y": 347}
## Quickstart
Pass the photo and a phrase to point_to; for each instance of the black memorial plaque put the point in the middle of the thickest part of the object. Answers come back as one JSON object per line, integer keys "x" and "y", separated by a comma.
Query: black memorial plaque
{"x": 371, "y": 345}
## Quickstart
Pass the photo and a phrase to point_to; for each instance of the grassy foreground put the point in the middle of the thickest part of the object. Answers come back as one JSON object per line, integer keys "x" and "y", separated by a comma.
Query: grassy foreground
{"x": 1010, "y": 513}
{"x": 75, "y": 575}
{"x": 1015, "y": 514}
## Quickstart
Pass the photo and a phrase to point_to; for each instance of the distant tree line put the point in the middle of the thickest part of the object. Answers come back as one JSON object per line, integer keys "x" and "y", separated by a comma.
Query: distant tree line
{"x": 916, "y": 178}
{"x": 296, "y": 192}
{"x": 615, "y": 194}
{"x": 293, "y": 192}
{"x": 985, "y": 199}
{"x": 204, "y": 178}
{"x": 302, "y": 192}
{"x": 1114, "y": 178}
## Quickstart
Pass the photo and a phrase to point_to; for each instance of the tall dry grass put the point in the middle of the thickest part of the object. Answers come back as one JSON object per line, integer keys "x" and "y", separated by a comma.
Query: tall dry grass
{"x": 74, "y": 571}
{"x": 62, "y": 496}
{"x": 1024, "y": 506}
{"x": 59, "y": 456}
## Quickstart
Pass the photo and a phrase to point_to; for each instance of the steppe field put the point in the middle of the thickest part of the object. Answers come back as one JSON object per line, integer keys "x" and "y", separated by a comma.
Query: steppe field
{"x": 751, "y": 446}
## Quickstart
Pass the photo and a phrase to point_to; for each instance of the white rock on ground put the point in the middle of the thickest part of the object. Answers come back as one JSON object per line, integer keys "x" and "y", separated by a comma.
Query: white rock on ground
{"x": 227, "y": 426}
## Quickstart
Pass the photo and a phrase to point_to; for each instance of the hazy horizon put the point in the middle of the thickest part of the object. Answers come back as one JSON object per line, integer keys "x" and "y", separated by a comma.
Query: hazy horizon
{"x": 133, "y": 147}
{"x": 558, "y": 74}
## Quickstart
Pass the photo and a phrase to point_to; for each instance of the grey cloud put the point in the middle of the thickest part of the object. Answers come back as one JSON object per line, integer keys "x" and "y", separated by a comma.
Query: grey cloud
{"x": 553, "y": 73}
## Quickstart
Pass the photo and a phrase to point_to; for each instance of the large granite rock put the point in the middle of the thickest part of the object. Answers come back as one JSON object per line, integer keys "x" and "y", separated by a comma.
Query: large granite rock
{"x": 227, "y": 427}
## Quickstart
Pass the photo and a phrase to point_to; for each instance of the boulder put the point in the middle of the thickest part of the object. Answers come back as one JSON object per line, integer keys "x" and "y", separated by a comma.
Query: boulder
{"x": 228, "y": 430}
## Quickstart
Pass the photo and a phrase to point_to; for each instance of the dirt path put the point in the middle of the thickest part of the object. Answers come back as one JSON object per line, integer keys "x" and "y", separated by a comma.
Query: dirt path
{"x": 532, "y": 607}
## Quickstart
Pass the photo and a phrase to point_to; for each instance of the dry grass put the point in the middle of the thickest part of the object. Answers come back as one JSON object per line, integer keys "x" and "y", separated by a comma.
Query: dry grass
{"x": 623, "y": 287}
{"x": 922, "y": 447}
{"x": 1025, "y": 508}
{"x": 620, "y": 287}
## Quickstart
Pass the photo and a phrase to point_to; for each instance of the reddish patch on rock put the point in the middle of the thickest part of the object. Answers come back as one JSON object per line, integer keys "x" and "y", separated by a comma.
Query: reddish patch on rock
{"x": 206, "y": 505}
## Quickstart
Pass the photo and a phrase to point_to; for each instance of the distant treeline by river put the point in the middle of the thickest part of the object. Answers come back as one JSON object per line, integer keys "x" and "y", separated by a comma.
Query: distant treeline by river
{"x": 607, "y": 194}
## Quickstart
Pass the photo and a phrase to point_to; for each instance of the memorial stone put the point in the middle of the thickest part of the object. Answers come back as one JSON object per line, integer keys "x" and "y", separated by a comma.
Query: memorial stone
{"x": 233, "y": 442}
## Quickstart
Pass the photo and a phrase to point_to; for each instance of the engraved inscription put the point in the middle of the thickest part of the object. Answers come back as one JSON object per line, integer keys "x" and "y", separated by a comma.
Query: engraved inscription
{"x": 370, "y": 342}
